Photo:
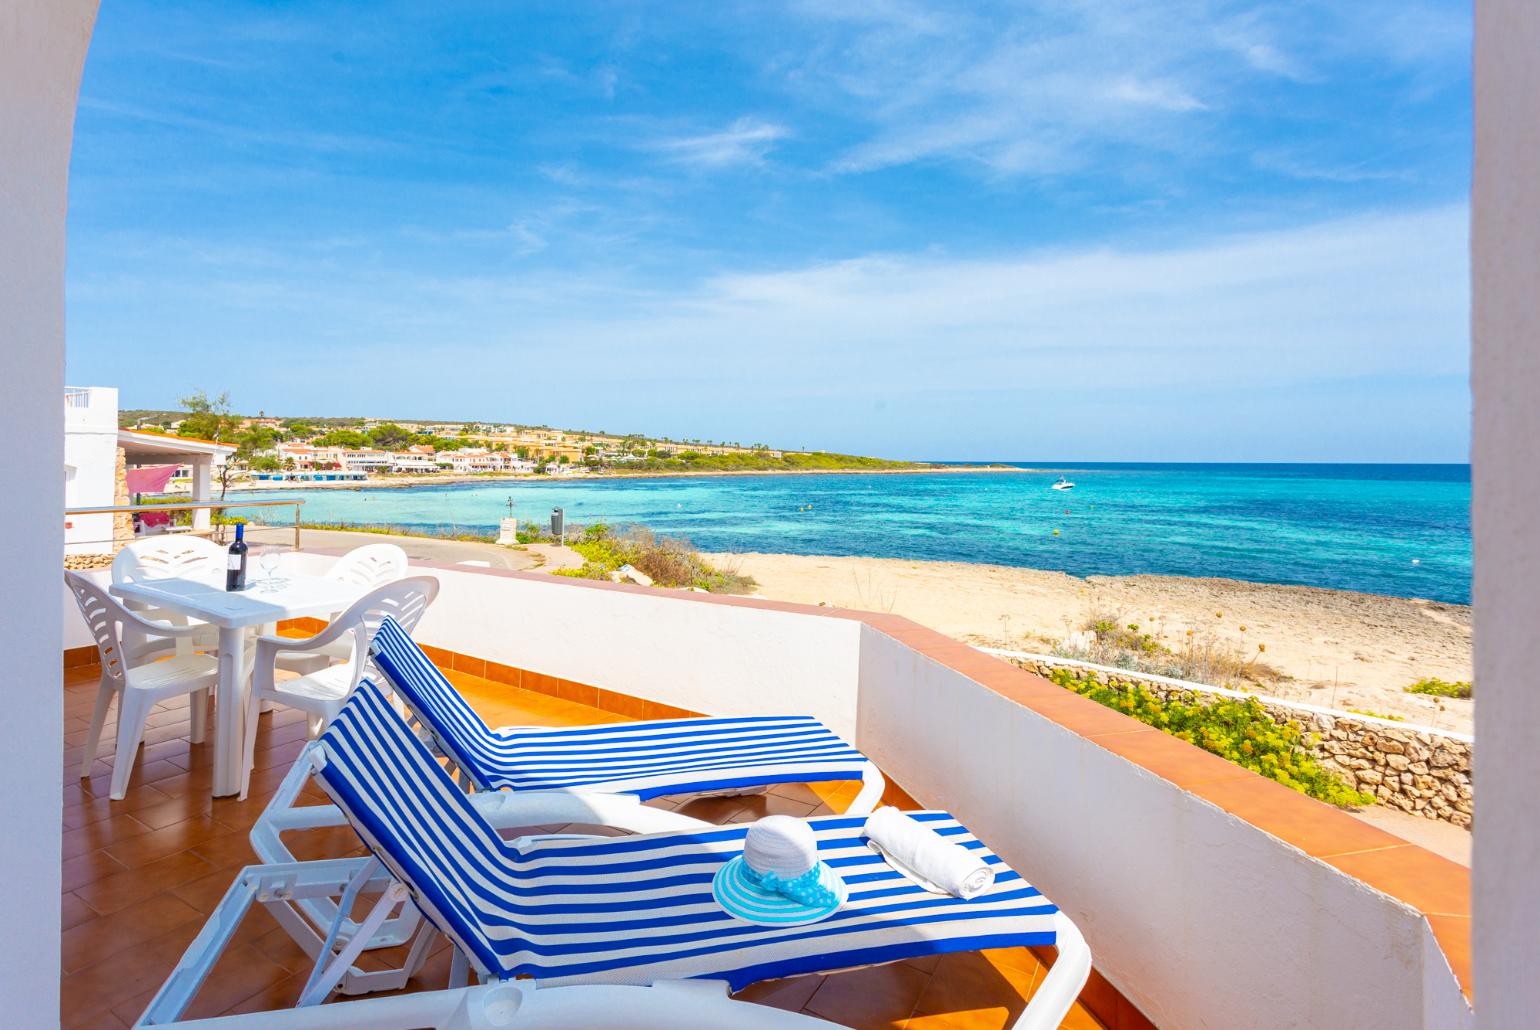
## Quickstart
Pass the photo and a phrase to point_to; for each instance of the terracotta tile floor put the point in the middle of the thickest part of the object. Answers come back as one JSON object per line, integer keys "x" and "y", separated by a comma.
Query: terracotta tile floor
{"x": 142, "y": 874}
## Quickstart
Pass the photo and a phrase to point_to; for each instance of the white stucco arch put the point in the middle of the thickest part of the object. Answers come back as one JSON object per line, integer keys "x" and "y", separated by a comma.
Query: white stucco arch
{"x": 43, "y": 45}
{"x": 42, "y": 50}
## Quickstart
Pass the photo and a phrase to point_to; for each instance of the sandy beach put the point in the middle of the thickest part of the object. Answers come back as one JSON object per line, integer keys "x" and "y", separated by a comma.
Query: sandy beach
{"x": 1336, "y": 648}
{"x": 1333, "y": 647}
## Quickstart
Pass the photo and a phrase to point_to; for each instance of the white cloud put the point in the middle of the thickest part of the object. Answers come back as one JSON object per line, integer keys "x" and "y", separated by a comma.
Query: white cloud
{"x": 745, "y": 141}
{"x": 1267, "y": 58}
{"x": 1166, "y": 96}
{"x": 1048, "y": 86}
{"x": 1343, "y": 339}
{"x": 1374, "y": 296}
{"x": 1300, "y": 167}
{"x": 1362, "y": 296}
{"x": 232, "y": 132}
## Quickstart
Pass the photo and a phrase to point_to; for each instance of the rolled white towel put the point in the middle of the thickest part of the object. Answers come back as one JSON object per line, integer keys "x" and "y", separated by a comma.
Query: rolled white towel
{"x": 934, "y": 862}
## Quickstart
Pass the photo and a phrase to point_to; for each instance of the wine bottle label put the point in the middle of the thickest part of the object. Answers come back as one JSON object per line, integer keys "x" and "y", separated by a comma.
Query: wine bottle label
{"x": 234, "y": 563}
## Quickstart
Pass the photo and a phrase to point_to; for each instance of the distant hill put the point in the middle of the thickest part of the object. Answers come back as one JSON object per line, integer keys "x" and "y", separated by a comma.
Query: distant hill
{"x": 601, "y": 451}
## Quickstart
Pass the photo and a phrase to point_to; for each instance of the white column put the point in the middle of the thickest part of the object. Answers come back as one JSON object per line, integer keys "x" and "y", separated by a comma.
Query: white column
{"x": 202, "y": 490}
{"x": 42, "y": 46}
{"x": 1505, "y": 376}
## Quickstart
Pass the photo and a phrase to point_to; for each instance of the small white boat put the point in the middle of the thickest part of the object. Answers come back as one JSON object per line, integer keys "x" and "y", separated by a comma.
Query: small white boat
{"x": 1063, "y": 484}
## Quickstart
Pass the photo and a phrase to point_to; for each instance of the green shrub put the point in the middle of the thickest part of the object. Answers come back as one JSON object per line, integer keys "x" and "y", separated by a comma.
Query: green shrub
{"x": 1201, "y": 655}
{"x": 441, "y": 532}
{"x": 1377, "y": 715}
{"x": 664, "y": 459}
{"x": 1237, "y": 731}
{"x": 668, "y": 561}
{"x": 1440, "y": 688}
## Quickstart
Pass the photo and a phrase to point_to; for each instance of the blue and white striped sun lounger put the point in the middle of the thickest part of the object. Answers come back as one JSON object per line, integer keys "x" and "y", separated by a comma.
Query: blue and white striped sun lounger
{"x": 633, "y": 910}
{"x": 603, "y": 914}
{"x": 643, "y": 759}
{"x": 589, "y": 775}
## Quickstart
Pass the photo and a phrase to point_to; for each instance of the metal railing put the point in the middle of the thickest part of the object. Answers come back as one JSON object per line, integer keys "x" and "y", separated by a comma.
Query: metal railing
{"x": 131, "y": 509}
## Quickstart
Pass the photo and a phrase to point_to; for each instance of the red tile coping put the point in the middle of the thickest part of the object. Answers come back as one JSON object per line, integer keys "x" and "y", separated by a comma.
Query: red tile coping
{"x": 75, "y": 657}
{"x": 1438, "y": 888}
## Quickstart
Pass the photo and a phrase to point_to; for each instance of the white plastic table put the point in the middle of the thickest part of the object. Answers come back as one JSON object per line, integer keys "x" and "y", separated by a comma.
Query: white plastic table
{"x": 233, "y": 613}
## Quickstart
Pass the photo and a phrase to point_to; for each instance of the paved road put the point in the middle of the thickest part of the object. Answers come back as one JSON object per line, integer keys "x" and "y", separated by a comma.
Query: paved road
{"x": 530, "y": 556}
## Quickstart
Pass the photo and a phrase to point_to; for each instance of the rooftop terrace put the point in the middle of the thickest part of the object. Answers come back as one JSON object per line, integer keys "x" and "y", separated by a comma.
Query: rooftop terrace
{"x": 1207, "y": 894}
{"x": 142, "y": 875}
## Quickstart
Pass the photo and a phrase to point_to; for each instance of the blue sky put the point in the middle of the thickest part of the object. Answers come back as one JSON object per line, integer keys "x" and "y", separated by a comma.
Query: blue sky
{"x": 1076, "y": 230}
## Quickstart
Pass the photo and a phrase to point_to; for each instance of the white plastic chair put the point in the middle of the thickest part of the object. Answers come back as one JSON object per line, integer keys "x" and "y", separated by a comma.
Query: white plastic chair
{"x": 138, "y": 687}
{"x": 366, "y": 567}
{"x": 321, "y": 694}
{"x": 369, "y": 566}
{"x": 164, "y": 557}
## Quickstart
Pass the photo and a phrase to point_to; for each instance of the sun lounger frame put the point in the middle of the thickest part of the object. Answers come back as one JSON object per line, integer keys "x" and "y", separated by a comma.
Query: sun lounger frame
{"x": 510, "y": 1004}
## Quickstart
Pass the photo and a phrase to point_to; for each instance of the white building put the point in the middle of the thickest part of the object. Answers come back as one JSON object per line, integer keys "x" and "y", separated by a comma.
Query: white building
{"x": 409, "y": 462}
{"x": 90, "y": 466}
{"x": 364, "y": 460}
{"x": 92, "y": 445}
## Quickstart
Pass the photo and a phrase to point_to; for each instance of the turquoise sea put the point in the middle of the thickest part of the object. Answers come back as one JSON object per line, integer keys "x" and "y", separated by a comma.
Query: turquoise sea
{"x": 1388, "y": 529}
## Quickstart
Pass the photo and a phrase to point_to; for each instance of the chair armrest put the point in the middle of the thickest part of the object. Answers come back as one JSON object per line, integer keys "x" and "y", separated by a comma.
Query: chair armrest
{"x": 264, "y": 656}
{"x": 163, "y": 629}
{"x": 333, "y": 631}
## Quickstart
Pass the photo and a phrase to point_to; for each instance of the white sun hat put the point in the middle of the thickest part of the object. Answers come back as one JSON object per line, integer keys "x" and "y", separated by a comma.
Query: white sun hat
{"x": 779, "y": 880}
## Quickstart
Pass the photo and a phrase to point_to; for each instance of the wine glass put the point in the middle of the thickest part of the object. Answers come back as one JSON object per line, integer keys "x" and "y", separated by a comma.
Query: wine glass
{"x": 269, "y": 562}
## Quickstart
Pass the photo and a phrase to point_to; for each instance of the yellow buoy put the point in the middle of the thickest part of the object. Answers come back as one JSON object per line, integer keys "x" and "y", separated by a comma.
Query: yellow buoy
{"x": 1056, "y": 532}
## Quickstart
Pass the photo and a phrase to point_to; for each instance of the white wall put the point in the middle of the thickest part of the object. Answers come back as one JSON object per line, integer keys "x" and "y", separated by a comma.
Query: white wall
{"x": 1201, "y": 919}
{"x": 42, "y": 47}
{"x": 712, "y": 658}
{"x": 91, "y": 460}
{"x": 1505, "y": 267}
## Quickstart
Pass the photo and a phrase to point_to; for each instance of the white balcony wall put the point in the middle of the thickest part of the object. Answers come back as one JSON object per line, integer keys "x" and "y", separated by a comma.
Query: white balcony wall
{"x": 1198, "y": 917}
{"x": 711, "y": 658}
{"x": 663, "y": 647}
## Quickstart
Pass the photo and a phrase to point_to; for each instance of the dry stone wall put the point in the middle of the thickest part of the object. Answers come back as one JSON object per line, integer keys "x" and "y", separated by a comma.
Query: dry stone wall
{"x": 1410, "y": 768}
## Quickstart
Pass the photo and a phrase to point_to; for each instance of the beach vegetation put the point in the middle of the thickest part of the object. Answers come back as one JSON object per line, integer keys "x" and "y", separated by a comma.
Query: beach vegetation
{"x": 1377, "y": 715}
{"x": 664, "y": 459}
{"x": 1239, "y": 731}
{"x": 667, "y": 561}
{"x": 447, "y": 531}
{"x": 1441, "y": 688}
{"x": 873, "y": 596}
{"x": 1198, "y": 655}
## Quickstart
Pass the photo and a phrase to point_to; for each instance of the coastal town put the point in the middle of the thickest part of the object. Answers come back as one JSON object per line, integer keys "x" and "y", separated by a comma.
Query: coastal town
{"x": 272, "y": 452}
